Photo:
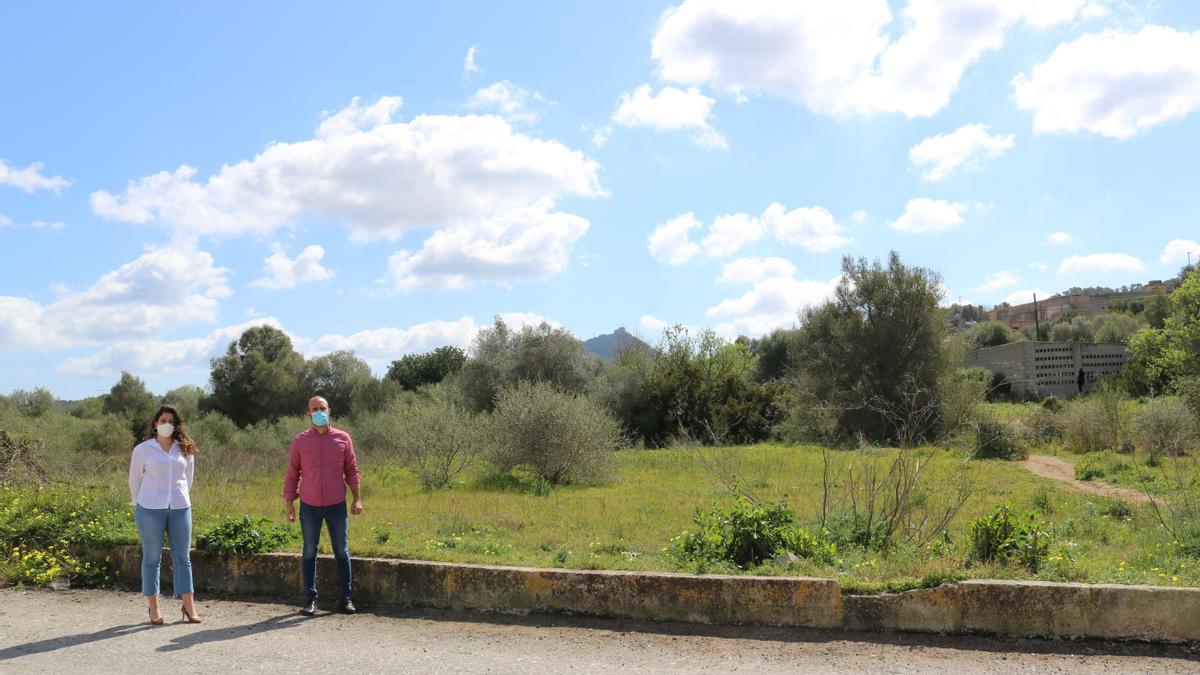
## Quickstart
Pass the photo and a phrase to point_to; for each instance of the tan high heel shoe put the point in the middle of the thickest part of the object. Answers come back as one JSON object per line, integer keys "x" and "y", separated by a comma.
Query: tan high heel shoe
{"x": 154, "y": 621}
{"x": 187, "y": 618}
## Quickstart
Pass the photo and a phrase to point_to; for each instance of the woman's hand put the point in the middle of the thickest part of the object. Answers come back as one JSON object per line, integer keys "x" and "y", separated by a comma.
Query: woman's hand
{"x": 290, "y": 510}
{"x": 356, "y": 507}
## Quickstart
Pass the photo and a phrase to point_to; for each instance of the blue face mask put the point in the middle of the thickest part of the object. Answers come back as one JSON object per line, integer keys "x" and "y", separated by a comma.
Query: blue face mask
{"x": 320, "y": 418}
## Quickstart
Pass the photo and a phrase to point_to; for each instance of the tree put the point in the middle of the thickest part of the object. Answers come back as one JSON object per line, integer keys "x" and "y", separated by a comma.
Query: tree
{"x": 875, "y": 350}
{"x": 772, "y": 351}
{"x": 414, "y": 370}
{"x": 336, "y": 376}
{"x": 130, "y": 400}
{"x": 502, "y": 358}
{"x": 186, "y": 400}
{"x": 1160, "y": 358}
{"x": 33, "y": 403}
{"x": 990, "y": 334}
{"x": 260, "y": 377}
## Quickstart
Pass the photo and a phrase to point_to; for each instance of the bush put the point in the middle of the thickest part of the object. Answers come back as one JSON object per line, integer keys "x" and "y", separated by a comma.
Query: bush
{"x": 1088, "y": 469}
{"x": 1001, "y": 537}
{"x": 748, "y": 534}
{"x": 561, "y": 437}
{"x": 1165, "y": 425}
{"x": 995, "y": 439}
{"x": 436, "y": 439}
{"x": 1083, "y": 427}
{"x": 1042, "y": 426}
{"x": 959, "y": 397}
{"x": 44, "y": 532}
{"x": 245, "y": 537}
{"x": 107, "y": 436}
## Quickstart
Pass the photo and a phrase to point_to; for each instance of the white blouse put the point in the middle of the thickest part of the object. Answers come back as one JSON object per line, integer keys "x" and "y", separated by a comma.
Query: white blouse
{"x": 160, "y": 480}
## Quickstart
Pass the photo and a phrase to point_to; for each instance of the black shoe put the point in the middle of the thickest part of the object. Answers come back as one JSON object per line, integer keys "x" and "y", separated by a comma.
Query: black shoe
{"x": 310, "y": 608}
{"x": 348, "y": 606}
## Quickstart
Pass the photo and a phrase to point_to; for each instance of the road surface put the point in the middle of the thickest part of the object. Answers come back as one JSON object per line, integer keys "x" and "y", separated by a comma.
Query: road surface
{"x": 97, "y": 631}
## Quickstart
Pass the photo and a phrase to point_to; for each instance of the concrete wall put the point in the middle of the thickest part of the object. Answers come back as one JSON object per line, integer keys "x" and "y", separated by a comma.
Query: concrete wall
{"x": 1045, "y": 368}
{"x": 1027, "y": 609}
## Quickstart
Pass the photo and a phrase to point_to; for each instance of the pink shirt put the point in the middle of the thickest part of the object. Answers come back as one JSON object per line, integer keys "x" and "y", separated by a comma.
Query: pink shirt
{"x": 321, "y": 465}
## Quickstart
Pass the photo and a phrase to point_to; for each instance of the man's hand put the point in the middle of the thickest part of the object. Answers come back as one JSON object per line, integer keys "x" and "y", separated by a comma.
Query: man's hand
{"x": 290, "y": 508}
{"x": 356, "y": 507}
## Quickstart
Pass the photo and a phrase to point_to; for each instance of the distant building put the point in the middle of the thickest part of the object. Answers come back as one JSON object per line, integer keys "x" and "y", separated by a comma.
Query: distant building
{"x": 1017, "y": 317}
{"x": 1064, "y": 369}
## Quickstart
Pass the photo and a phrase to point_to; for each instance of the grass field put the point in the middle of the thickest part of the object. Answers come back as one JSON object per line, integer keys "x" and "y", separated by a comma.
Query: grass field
{"x": 628, "y": 524}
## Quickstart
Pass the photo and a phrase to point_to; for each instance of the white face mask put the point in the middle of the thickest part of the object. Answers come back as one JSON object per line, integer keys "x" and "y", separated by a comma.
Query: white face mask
{"x": 166, "y": 430}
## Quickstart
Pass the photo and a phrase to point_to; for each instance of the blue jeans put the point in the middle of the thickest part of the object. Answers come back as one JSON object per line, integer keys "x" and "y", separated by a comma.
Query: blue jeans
{"x": 311, "y": 518}
{"x": 177, "y": 524}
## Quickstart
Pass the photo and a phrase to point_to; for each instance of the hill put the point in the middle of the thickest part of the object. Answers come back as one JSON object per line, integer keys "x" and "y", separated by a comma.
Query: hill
{"x": 608, "y": 345}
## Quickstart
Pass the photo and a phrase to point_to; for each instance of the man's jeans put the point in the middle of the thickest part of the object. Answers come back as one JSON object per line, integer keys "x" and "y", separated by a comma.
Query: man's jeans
{"x": 310, "y": 526}
{"x": 177, "y": 523}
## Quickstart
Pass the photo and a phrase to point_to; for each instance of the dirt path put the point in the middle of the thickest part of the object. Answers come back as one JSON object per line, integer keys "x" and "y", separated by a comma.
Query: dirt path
{"x": 105, "y": 631}
{"x": 1062, "y": 470}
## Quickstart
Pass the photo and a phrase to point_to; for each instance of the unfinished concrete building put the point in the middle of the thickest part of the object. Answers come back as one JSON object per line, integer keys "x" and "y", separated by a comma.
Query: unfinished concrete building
{"x": 1064, "y": 369}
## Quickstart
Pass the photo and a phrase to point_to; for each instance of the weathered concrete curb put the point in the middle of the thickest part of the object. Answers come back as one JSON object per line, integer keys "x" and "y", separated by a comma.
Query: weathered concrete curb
{"x": 1025, "y": 609}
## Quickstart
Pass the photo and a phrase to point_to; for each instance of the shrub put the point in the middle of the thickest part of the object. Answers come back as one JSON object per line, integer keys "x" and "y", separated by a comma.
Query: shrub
{"x": 959, "y": 397}
{"x": 44, "y": 532}
{"x": 107, "y": 436}
{"x": 245, "y": 537}
{"x": 1088, "y": 469}
{"x": 1042, "y": 426}
{"x": 995, "y": 439}
{"x": 1001, "y": 537}
{"x": 561, "y": 437}
{"x": 437, "y": 440}
{"x": 1083, "y": 427}
{"x": 749, "y": 533}
{"x": 1165, "y": 425}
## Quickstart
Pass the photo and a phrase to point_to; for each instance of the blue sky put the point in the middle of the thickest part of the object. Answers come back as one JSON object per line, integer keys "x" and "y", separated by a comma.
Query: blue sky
{"x": 386, "y": 178}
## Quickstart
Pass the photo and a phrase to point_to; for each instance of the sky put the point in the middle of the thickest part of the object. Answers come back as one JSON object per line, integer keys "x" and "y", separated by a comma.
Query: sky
{"x": 388, "y": 178}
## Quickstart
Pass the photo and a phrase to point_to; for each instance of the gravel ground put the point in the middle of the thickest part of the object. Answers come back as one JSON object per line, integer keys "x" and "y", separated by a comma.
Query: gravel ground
{"x": 106, "y": 631}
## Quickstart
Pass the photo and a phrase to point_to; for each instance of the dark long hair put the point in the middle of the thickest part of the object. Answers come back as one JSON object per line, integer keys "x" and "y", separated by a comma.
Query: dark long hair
{"x": 186, "y": 445}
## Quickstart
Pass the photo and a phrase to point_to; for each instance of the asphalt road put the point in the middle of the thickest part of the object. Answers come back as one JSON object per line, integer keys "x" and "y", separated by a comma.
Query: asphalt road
{"x": 106, "y": 631}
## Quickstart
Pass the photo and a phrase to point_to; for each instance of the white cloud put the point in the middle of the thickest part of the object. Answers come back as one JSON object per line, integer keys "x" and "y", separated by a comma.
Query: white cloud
{"x": 530, "y": 243}
{"x": 652, "y": 324}
{"x": 812, "y": 228}
{"x": 925, "y": 216}
{"x": 378, "y": 346}
{"x": 469, "y": 65}
{"x": 1024, "y": 296}
{"x": 998, "y": 280}
{"x": 772, "y": 303}
{"x": 729, "y": 233}
{"x": 753, "y": 270}
{"x": 509, "y": 101}
{"x": 671, "y": 109}
{"x": 839, "y": 58}
{"x": 382, "y": 178}
{"x": 669, "y": 242}
{"x": 470, "y": 178}
{"x": 859, "y": 216}
{"x": 5, "y": 221}
{"x": 285, "y": 272}
{"x": 159, "y": 357}
{"x": 1176, "y": 252}
{"x": 1114, "y": 83}
{"x": 162, "y": 290}
{"x": 966, "y": 148}
{"x": 30, "y": 179}
{"x": 1058, "y": 239}
{"x": 1100, "y": 262}
{"x": 1039, "y": 266}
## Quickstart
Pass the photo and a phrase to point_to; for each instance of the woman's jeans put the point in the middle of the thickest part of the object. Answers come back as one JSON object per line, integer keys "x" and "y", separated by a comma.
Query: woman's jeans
{"x": 177, "y": 523}
{"x": 311, "y": 518}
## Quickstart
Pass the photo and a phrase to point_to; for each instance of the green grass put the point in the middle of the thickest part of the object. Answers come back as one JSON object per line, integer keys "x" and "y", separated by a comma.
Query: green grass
{"x": 629, "y": 524}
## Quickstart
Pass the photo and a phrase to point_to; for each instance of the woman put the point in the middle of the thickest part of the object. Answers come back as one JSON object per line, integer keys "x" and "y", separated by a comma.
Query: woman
{"x": 160, "y": 482}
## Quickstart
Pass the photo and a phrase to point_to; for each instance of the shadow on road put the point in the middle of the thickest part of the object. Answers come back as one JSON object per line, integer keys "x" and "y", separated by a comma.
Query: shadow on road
{"x": 975, "y": 642}
{"x": 54, "y": 644}
{"x": 279, "y": 622}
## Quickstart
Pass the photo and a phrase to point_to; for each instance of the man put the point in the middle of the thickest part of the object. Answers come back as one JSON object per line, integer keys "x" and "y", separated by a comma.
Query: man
{"x": 321, "y": 465}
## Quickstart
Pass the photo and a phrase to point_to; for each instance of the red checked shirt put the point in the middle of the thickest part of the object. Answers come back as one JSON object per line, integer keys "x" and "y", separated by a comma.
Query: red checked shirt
{"x": 321, "y": 465}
